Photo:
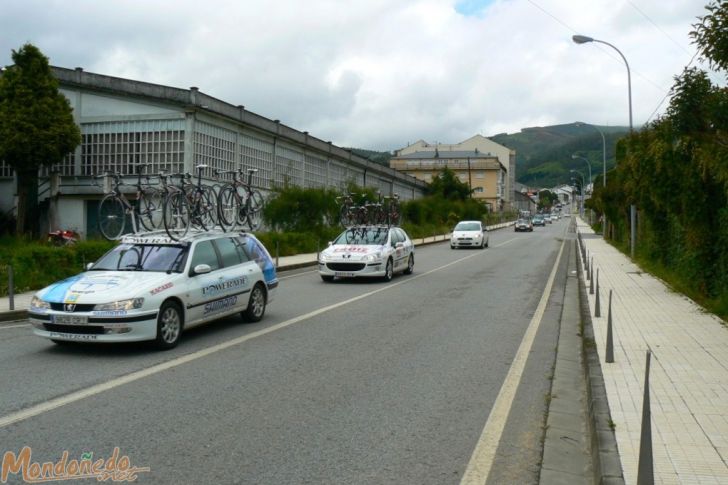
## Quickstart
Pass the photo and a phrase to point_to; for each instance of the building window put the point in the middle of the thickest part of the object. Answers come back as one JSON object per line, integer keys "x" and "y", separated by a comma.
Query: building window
{"x": 478, "y": 190}
{"x": 123, "y": 146}
{"x": 257, "y": 153}
{"x": 214, "y": 147}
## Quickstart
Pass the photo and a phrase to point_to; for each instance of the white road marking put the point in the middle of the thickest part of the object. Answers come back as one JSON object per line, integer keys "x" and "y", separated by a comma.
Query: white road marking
{"x": 3, "y": 327}
{"x": 297, "y": 275}
{"x": 484, "y": 454}
{"x": 60, "y": 401}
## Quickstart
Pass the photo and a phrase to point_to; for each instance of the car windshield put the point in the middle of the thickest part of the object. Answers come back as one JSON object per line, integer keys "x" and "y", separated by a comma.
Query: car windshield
{"x": 467, "y": 226}
{"x": 143, "y": 257}
{"x": 365, "y": 237}
{"x": 537, "y": 218}
{"x": 522, "y": 221}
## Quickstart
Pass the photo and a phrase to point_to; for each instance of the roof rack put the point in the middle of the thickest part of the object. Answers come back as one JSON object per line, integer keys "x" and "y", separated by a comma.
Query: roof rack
{"x": 161, "y": 236}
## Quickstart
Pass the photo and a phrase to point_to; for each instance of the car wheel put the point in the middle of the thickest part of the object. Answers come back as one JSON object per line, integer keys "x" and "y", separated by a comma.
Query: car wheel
{"x": 486, "y": 242}
{"x": 482, "y": 244}
{"x": 452, "y": 247}
{"x": 256, "y": 305}
{"x": 169, "y": 325}
{"x": 388, "y": 271}
{"x": 410, "y": 265}
{"x": 327, "y": 278}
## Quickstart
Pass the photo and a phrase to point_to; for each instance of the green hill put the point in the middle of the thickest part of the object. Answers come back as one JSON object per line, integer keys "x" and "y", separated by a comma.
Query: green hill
{"x": 543, "y": 154}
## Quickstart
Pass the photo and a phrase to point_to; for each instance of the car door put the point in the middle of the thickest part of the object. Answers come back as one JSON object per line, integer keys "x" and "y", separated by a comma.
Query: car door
{"x": 202, "y": 286}
{"x": 399, "y": 251}
{"x": 239, "y": 276}
{"x": 409, "y": 246}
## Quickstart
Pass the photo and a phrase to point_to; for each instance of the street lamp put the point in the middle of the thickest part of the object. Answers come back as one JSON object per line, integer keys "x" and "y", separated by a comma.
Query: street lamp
{"x": 604, "y": 151}
{"x": 583, "y": 39}
{"x": 588, "y": 165}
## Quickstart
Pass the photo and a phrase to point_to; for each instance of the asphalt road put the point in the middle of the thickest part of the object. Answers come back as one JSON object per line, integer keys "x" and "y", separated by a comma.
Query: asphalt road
{"x": 350, "y": 382}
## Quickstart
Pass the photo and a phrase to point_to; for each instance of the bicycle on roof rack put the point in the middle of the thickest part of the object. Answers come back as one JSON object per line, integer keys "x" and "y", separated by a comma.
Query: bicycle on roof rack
{"x": 114, "y": 207}
{"x": 189, "y": 206}
{"x": 238, "y": 202}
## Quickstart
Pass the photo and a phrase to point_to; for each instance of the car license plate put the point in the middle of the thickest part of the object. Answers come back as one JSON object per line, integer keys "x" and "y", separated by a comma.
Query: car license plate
{"x": 344, "y": 274}
{"x": 70, "y": 319}
{"x": 74, "y": 336}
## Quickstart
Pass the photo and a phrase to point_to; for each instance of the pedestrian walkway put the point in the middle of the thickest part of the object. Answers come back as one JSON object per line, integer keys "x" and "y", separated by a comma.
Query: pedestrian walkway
{"x": 688, "y": 370}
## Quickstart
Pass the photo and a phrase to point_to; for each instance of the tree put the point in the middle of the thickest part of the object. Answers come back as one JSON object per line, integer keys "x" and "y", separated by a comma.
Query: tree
{"x": 710, "y": 34}
{"x": 447, "y": 185}
{"x": 36, "y": 126}
{"x": 546, "y": 199}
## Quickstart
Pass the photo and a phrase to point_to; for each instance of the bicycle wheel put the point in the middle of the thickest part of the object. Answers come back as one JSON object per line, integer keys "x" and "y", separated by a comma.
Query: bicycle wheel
{"x": 255, "y": 210}
{"x": 112, "y": 217}
{"x": 176, "y": 215}
{"x": 228, "y": 207}
{"x": 345, "y": 216}
{"x": 208, "y": 208}
{"x": 149, "y": 209}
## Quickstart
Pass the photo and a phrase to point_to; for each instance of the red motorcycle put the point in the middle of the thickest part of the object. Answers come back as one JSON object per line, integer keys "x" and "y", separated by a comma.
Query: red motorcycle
{"x": 63, "y": 237}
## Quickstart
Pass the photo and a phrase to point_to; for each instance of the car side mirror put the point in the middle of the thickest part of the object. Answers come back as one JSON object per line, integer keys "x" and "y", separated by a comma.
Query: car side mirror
{"x": 89, "y": 266}
{"x": 201, "y": 269}
{"x": 331, "y": 243}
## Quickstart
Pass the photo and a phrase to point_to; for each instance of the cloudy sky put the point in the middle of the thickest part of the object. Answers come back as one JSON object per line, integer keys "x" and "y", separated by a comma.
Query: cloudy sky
{"x": 379, "y": 74}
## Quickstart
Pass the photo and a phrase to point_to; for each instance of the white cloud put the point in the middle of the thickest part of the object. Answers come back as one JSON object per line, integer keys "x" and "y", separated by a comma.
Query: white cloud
{"x": 378, "y": 73}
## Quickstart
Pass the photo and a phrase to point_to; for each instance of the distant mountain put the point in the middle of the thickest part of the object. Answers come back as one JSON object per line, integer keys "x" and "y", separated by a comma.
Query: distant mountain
{"x": 543, "y": 154}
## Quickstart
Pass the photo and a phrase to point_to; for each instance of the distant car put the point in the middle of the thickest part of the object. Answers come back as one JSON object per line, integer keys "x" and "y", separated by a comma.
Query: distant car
{"x": 469, "y": 234}
{"x": 523, "y": 225}
{"x": 547, "y": 218}
{"x": 150, "y": 287}
{"x": 538, "y": 220}
{"x": 368, "y": 251}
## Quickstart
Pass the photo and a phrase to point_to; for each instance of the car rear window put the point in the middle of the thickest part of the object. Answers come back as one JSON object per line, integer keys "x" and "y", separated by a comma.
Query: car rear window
{"x": 230, "y": 252}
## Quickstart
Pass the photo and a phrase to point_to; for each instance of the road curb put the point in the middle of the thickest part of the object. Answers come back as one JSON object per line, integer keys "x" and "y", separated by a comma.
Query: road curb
{"x": 606, "y": 464}
{"x": 12, "y": 315}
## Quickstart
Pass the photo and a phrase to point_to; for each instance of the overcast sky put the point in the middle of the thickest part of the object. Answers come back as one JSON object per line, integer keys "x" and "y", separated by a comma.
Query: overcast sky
{"x": 379, "y": 74}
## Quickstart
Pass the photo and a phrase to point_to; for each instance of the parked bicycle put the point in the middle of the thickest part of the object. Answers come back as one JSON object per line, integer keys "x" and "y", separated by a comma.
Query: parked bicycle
{"x": 238, "y": 202}
{"x": 115, "y": 207}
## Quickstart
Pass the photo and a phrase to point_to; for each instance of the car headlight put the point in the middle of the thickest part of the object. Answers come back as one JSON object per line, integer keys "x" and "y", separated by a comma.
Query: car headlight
{"x": 323, "y": 257}
{"x": 38, "y": 303}
{"x": 372, "y": 257}
{"x": 131, "y": 304}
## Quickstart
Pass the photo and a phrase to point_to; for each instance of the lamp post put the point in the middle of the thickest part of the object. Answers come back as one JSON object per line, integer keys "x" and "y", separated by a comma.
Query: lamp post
{"x": 604, "y": 152}
{"x": 583, "y": 39}
{"x": 588, "y": 165}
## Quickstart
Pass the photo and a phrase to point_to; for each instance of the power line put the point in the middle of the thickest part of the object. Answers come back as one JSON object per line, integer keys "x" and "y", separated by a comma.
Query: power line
{"x": 658, "y": 27}
{"x": 669, "y": 92}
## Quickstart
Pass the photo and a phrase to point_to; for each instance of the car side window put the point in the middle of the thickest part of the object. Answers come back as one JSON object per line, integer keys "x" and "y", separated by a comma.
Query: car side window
{"x": 228, "y": 252}
{"x": 205, "y": 254}
{"x": 394, "y": 237}
{"x": 401, "y": 234}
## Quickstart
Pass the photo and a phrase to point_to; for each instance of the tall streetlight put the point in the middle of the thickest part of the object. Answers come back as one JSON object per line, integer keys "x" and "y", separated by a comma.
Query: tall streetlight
{"x": 583, "y": 39}
{"x": 588, "y": 165}
{"x": 604, "y": 152}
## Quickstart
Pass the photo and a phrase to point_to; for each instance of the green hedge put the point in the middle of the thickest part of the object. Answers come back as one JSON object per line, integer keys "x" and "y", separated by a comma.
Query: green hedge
{"x": 37, "y": 264}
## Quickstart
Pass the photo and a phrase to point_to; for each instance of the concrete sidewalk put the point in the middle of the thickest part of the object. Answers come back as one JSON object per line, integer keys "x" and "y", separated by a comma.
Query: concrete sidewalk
{"x": 688, "y": 371}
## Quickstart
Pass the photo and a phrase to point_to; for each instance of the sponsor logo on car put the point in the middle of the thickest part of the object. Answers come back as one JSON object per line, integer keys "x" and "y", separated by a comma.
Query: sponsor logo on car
{"x": 160, "y": 289}
{"x": 220, "y": 305}
{"x": 224, "y": 285}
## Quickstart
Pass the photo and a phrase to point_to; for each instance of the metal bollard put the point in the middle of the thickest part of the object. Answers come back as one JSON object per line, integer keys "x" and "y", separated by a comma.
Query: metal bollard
{"x": 591, "y": 278}
{"x": 610, "y": 340}
{"x": 318, "y": 252}
{"x": 11, "y": 288}
{"x": 597, "y": 306}
{"x": 645, "y": 472}
{"x": 278, "y": 251}
{"x": 586, "y": 266}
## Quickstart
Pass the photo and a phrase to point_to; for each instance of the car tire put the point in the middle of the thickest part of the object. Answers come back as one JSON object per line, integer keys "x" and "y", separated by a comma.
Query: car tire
{"x": 452, "y": 247}
{"x": 410, "y": 265}
{"x": 327, "y": 278}
{"x": 256, "y": 304}
{"x": 486, "y": 243}
{"x": 388, "y": 271}
{"x": 170, "y": 321}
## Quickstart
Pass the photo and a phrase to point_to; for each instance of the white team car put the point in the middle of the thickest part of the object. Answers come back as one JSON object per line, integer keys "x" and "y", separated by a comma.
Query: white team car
{"x": 150, "y": 287}
{"x": 368, "y": 251}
